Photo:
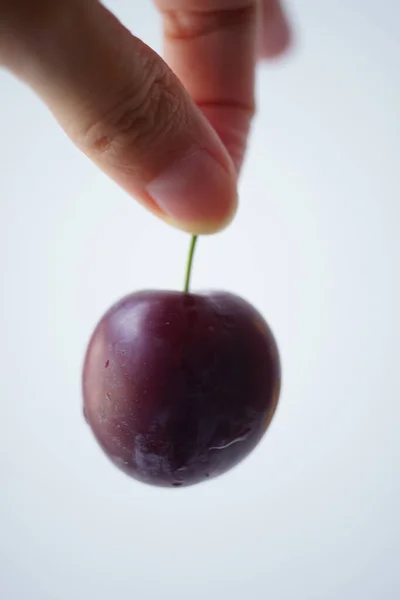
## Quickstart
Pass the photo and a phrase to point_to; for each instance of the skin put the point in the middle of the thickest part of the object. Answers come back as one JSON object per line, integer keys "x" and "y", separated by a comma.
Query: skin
{"x": 172, "y": 133}
{"x": 179, "y": 388}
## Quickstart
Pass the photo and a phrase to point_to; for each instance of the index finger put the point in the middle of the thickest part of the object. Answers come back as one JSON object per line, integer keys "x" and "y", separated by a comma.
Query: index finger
{"x": 211, "y": 46}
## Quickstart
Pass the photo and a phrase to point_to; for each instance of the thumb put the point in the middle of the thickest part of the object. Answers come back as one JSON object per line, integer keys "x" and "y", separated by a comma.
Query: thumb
{"x": 122, "y": 106}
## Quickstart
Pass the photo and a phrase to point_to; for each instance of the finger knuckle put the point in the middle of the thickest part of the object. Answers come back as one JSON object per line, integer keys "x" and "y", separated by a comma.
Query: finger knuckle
{"x": 141, "y": 116}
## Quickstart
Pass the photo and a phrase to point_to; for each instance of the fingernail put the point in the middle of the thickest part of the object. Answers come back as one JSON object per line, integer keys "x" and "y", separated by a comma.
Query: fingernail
{"x": 196, "y": 193}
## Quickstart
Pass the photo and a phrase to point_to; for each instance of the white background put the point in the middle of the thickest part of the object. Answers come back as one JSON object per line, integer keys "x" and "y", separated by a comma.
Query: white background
{"x": 313, "y": 513}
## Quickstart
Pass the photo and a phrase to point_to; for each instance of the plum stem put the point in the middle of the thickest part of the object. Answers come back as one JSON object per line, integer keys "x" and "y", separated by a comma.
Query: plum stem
{"x": 190, "y": 263}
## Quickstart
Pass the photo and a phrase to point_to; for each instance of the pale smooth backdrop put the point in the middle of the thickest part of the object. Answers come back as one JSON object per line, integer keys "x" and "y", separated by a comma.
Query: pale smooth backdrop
{"x": 313, "y": 513}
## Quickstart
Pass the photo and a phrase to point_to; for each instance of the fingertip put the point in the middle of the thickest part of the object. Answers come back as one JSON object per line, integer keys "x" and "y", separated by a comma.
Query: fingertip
{"x": 275, "y": 43}
{"x": 276, "y": 34}
{"x": 203, "y": 227}
{"x": 196, "y": 193}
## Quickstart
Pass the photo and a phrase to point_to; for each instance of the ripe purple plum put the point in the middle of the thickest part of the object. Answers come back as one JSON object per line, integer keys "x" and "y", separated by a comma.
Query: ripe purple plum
{"x": 180, "y": 387}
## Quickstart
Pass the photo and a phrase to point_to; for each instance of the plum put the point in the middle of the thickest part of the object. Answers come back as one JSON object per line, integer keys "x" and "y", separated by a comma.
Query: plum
{"x": 180, "y": 387}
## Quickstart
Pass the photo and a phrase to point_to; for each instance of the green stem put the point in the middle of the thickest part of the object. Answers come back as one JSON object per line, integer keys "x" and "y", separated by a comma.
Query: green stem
{"x": 190, "y": 263}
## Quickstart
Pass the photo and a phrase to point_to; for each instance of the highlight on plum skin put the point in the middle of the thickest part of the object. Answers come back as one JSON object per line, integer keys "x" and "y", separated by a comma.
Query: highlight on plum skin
{"x": 179, "y": 387}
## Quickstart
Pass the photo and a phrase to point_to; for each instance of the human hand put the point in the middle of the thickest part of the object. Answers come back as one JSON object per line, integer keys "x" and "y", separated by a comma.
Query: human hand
{"x": 174, "y": 144}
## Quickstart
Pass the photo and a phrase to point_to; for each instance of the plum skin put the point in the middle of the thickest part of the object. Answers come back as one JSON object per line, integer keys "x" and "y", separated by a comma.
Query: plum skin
{"x": 180, "y": 387}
